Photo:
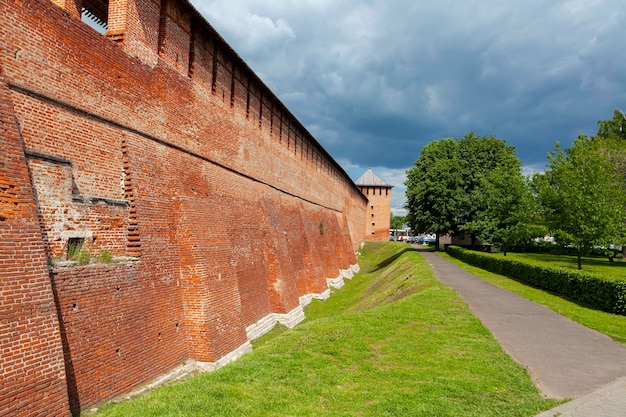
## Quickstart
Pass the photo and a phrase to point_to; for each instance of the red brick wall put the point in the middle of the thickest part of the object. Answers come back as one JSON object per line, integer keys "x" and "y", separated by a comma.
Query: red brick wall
{"x": 66, "y": 213}
{"x": 165, "y": 146}
{"x": 120, "y": 329}
{"x": 175, "y": 36}
{"x": 31, "y": 352}
{"x": 378, "y": 217}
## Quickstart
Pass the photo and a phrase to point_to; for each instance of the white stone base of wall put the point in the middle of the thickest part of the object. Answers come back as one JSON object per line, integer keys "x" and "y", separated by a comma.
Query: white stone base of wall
{"x": 346, "y": 273}
{"x": 268, "y": 322}
{"x": 230, "y": 357}
{"x": 254, "y": 331}
{"x": 335, "y": 282}
{"x": 261, "y": 327}
{"x": 190, "y": 366}
{"x": 295, "y": 316}
{"x": 291, "y": 319}
{"x": 305, "y": 300}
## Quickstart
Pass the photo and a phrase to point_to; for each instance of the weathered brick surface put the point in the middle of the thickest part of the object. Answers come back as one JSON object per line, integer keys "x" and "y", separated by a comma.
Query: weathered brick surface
{"x": 154, "y": 141}
{"x": 119, "y": 329}
{"x": 31, "y": 352}
{"x": 378, "y": 213}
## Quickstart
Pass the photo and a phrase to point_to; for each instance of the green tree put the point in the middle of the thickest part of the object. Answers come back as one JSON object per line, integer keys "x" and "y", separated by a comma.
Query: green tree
{"x": 455, "y": 185}
{"x": 513, "y": 215}
{"x": 492, "y": 182}
{"x": 433, "y": 187}
{"x": 397, "y": 221}
{"x": 614, "y": 128}
{"x": 582, "y": 195}
{"x": 612, "y": 137}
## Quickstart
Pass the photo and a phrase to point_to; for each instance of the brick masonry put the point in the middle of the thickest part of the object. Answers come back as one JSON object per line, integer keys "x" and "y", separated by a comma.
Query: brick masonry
{"x": 378, "y": 213}
{"x": 31, "y": 354}
{"x": 157, "y": 144}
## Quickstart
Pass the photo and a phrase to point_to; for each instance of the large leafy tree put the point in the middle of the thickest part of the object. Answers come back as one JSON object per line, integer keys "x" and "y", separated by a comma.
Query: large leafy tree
{"x": 582, "y": 195}
{"x": 455, "y": 182}
{"x": 433, "y": 187}
{"x": 491, "y": 171}
{"x": 611, "y": 138}
{"x": 512, "y": 215}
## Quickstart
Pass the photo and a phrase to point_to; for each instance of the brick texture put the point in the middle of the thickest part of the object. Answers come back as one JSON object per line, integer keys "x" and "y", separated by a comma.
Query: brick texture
{"x": 157, "y": 144}
{"x": 31, "y": 352}
{"x": 378, "y": 217}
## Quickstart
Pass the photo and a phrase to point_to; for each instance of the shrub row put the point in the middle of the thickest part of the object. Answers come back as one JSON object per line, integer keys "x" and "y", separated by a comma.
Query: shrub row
{"x": 588, "y": 289}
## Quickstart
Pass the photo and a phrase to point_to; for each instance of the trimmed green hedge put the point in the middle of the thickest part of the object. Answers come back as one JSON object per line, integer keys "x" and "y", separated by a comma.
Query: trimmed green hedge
{"x": 605, "y": 295}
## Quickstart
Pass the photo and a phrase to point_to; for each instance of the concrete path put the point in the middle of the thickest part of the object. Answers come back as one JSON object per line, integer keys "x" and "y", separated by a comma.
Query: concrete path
{"x": 564, "y": 358}
{"x": 609, "y": 401}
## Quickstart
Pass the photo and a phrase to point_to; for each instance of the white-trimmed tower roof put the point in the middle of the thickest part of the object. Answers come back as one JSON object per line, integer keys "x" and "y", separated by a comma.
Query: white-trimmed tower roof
{"x": 369, "y": 179}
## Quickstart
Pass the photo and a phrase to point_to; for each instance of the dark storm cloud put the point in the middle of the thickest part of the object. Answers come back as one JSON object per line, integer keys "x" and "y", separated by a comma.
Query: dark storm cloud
{"x": 374, "y": 80}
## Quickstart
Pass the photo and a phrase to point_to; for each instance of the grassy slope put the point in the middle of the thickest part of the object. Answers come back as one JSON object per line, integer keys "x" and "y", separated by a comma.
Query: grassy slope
{"x": 393, "y": 341}
{"x": 612, "y": 325}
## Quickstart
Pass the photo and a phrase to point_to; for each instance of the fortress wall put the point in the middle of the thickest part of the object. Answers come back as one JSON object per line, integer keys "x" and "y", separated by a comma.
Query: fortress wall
{"x": 100, "y": 80}
{"x": 31, "y": 352}
{"x": 119, "y": 329}
{"x": 185, "y": 162}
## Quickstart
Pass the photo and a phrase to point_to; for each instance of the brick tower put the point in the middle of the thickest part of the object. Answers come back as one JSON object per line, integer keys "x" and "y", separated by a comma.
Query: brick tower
{"x": 378, "y": 215}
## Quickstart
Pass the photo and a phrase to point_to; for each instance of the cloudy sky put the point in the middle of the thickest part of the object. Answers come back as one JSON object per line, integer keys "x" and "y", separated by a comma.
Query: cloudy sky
{"x": 376, "y": 80}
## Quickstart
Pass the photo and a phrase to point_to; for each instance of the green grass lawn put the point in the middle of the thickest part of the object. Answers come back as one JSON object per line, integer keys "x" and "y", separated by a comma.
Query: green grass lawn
{"x": 393, "y": 341}
{"x": 594, "y": 264}
{"x": 612, "y": 325}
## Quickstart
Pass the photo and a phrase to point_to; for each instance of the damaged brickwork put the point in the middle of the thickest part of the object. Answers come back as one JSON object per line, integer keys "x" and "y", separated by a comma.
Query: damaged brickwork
{"x": 156, "y": 145}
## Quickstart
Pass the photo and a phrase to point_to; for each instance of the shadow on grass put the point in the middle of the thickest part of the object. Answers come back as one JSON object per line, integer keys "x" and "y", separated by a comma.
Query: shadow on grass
{"x": 598, "y": 262}
{"x": 392, "y": 259}
{"x": 422, "y": 248}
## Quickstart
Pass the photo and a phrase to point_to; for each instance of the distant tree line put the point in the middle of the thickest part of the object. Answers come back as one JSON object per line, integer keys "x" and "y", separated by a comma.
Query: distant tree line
{"x": 474, "y": 185}
{"x": 397, "y": 222}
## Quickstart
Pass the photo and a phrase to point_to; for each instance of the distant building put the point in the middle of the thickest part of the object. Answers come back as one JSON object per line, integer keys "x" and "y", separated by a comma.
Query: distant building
{"x": 378, "y": 217}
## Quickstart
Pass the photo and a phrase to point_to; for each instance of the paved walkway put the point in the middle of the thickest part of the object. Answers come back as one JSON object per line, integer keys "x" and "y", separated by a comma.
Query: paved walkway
{"x": 564, "y": 358}
{"x": 609, "y": 401}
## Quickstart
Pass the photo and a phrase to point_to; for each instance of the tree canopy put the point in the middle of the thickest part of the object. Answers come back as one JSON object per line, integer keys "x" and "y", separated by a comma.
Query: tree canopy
{"x": 475, "y": 185}
{"x": 433, "y": 185}
{"x": 583, "y": 192}
{"x": 470, "y": 184}
{"x": 612, "y": 138}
